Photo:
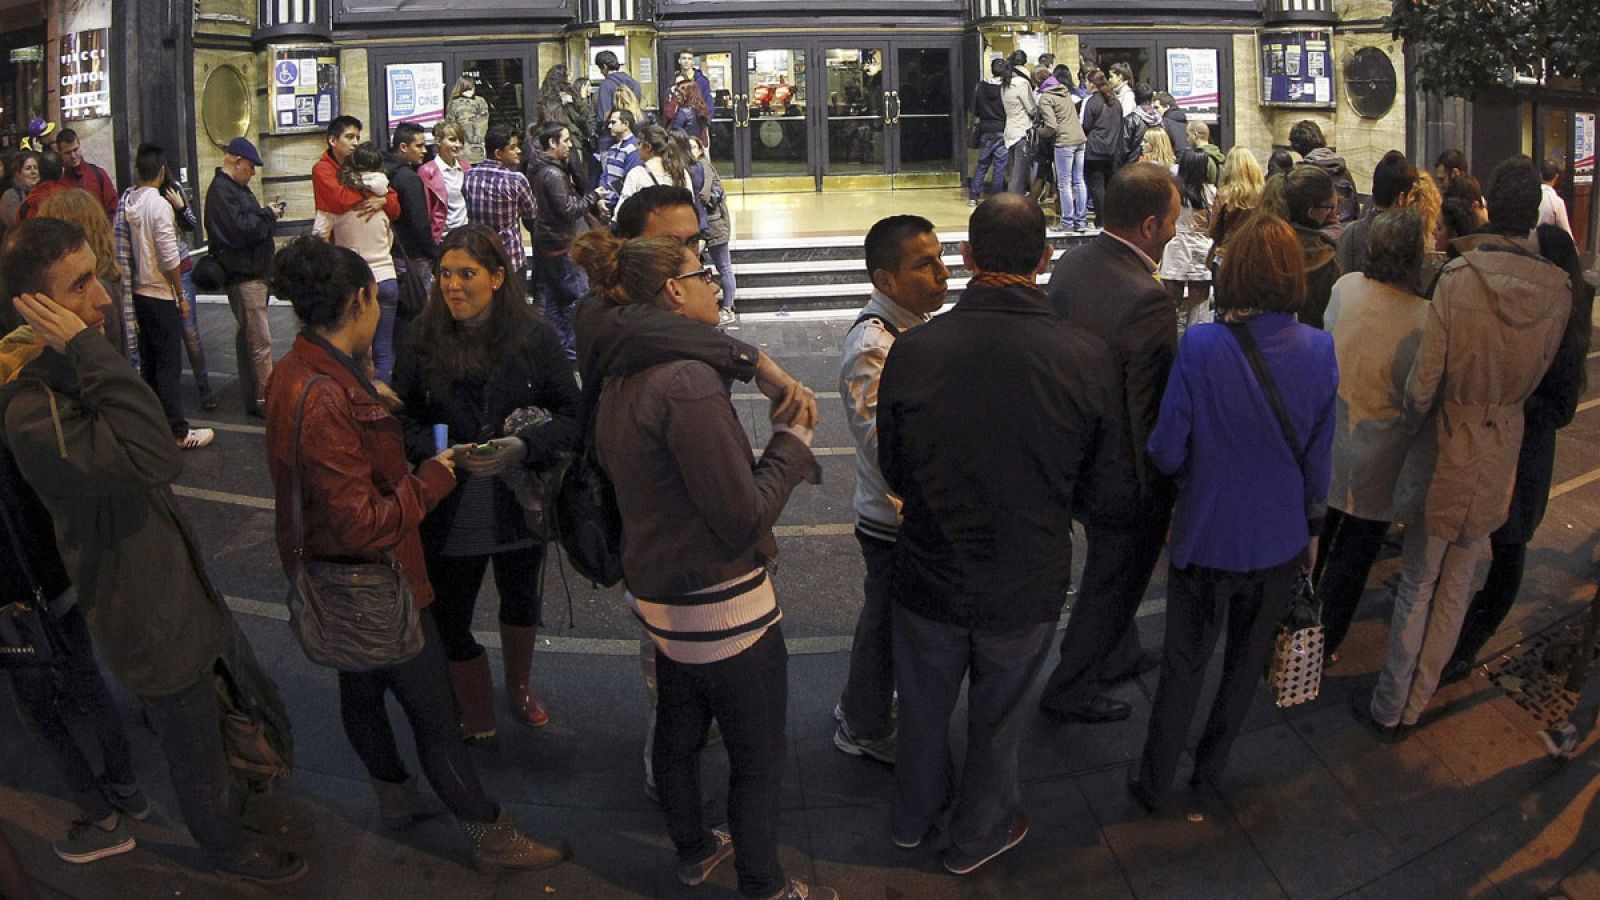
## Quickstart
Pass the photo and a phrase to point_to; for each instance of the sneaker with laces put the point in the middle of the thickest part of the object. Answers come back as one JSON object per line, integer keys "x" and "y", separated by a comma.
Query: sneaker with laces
{"x": 958, "y": 863}
{"x": 727, "y": 317}
{"x": 197, "y": 438}
{"x": 127, "y": 798}
{"x": 882, "y": 749}
{"x": 693, "y": 873}
{"x": 88, "y": 841}
{"x": 799, "y": 890}
{"x": 1560, "y": 743}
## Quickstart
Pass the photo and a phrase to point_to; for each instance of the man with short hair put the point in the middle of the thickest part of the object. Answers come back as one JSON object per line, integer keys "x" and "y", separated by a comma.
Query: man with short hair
{"x": 560, "y": 282}
{"x": 414, "y": 246}
{"x": 614, "y": 77}
{"x": 1108, "y": 288}
{"x": 688, "y": 69}
{"x": 1392, "y": 180}
{"x": 1135, "y": 124}
{"x": 76, "y": 172}
{"x": 1174, "y": 121}
{"x": 498, "y": 194}
{"x": 1120, "y": 75}
{"x": 1552, "y": 206}
{"x": 1199, "y": 137}
{"x": 151, "y": 262}
{"x": 1493, "y": 327}
{"x": 987, "y": 459}
{"x": 239, "y": 230}
{"x": 909, "y": 282}
{"x": 49, "y": 183}
{"x": 333, "y": 196}
{"x": 617, "y": 160}
{"x": 1305, "y": 138}
{"x": 91, "y": 440}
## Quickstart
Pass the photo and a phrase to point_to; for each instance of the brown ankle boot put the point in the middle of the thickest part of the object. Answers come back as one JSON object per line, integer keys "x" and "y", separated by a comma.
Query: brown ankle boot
{"x": 474, "y": 695}
{"x": 516, "y": 645}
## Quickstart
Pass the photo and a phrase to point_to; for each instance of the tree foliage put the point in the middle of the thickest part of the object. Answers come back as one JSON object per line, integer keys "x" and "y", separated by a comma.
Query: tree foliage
{"x": 1464, "y": 46}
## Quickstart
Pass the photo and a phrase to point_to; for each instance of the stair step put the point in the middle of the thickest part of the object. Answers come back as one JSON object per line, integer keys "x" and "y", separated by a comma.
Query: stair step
{"x": 853, "y": 265}
{"x": 763, "y": 298}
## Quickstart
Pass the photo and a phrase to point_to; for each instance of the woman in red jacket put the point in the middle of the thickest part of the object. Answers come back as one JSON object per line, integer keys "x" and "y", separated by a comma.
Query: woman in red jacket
{"x": 362, "y": 499}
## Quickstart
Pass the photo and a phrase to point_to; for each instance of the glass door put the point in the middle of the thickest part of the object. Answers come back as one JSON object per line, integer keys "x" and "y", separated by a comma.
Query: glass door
{"x": 923, "y": 112}
{"x": 856, "y": 117}
{"x": 419, "y": 85}
{"x": 775, "y": 125}
{"x": 717, "y": 65}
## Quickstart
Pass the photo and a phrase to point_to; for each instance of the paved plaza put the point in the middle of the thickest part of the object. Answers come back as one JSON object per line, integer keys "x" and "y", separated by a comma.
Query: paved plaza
{"x": 1313, "y": 806}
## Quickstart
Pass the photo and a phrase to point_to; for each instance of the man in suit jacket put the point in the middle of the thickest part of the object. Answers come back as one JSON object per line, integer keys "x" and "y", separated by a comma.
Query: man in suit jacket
{"x": 1109, "y": 289}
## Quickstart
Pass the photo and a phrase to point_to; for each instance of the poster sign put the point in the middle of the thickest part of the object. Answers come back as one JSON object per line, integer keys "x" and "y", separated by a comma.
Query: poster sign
{"x": 615, "y": 45}
{"x": 416, "y": 93}
{"x": 1583, "y": 148}
{"x": 1296, "y": 68}
{"x": 1194, "y": 80}
{"x": 305, "y": 88}
{"x": 85, "y": 71}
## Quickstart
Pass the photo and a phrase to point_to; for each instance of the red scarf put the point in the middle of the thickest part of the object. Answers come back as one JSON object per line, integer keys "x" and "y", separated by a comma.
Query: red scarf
{"x": 1004, "y": 280}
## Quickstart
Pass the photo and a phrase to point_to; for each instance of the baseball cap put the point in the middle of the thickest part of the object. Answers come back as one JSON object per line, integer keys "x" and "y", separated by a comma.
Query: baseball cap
{"x": 242, "y": 148}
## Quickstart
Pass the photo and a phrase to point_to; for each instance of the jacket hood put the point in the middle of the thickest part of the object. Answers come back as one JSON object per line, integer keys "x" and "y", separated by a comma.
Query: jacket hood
{"x": 1147, "y": 115}
{"x": 538, "y": 161}
{"x": 1328, "y": 161}
{"x": 1058, "y": 89}
{"x": 1519, "y": 280}
{"x": 992, "y": 79}
{"x": 393, "y": 163}
{"x": 1318, "y": 249}
{"x": 17, "y": 349}
{"x": 1175, "y": 114}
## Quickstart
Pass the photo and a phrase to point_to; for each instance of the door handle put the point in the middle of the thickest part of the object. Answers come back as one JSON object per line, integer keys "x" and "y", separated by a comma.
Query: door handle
{"x": 737, "y": 121}
{"x": 888, "y": 117}
{"x": 896, "y": 96}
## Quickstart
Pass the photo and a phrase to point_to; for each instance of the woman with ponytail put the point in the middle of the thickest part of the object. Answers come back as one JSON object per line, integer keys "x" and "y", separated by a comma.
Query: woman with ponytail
{"x": 697, "y": 519}
{"x": 664, "y": 163}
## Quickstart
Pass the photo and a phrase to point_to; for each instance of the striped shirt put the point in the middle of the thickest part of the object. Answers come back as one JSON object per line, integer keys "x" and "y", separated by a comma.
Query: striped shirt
{"x": 713, "y": 624}
{"x": 501, "y": 199}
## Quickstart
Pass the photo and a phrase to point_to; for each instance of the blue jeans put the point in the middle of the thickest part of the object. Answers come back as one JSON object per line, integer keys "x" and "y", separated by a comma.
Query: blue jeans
{"x": 191, "y": 339}
{"x": 383, "y": 340}
{"x": 993, "y": 155}
{"x": 722, "y": 258}
{"x": 1070, "y": 184}
{"x": 560, "y": 283}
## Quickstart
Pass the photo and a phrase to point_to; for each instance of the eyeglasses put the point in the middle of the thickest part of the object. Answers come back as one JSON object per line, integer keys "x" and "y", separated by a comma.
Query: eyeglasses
{"x": 708, "y": 274}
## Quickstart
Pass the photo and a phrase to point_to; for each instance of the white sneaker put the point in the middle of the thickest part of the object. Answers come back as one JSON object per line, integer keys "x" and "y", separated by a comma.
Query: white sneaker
{"x": 1560, "y": 743}
{"x": 197, "y": 438}
{"x": 727, "y": 317}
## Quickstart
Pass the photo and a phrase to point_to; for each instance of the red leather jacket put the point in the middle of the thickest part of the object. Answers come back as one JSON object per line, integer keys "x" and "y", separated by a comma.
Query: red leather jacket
{"x": 361, "y": 497}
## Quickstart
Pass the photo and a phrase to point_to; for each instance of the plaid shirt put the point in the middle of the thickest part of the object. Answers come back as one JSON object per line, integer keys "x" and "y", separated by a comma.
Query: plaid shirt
{"x": 501, "y": 199}
{"x": 122, "y": 245}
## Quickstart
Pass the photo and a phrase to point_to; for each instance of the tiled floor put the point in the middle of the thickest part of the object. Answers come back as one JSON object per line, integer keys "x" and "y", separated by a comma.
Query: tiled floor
{"x": 842, "y": 213}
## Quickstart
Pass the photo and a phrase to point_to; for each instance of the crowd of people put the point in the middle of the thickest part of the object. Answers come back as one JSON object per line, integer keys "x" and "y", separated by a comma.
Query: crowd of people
{"x": 1246, "y": 371}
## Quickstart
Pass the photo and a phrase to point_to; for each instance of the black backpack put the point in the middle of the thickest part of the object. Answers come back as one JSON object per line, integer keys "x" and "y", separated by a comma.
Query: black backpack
{"x": 585, "y": 518}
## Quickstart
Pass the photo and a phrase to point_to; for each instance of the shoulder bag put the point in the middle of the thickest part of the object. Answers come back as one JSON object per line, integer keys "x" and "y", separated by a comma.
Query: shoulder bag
{"x": 27, "y": 635}
{"x": 353, "y": 617}
{"x": 1295, "y": 670}
{"x": 586, "y": 520}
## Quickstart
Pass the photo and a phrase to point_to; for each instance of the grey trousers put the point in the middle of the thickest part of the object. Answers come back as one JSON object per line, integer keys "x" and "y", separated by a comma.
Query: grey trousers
{"x": 252, "y": 339}
{"x": 1429, "y": 606}
{"x": 868, "y": 696}
{"x": 931, "y": 659}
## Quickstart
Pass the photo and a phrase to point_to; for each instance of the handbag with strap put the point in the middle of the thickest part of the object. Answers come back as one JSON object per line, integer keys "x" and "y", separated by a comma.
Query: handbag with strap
{"x": 353, "y": 617}
{"x": 583, "y": 503}
{"x": 27, "y": 635}
{"x": 1295, "y": 670}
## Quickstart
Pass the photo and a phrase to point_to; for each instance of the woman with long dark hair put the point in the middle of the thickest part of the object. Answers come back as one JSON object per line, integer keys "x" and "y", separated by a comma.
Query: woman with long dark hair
{"x": 562, "y": 101}
{"x": 697, "y": 519}
{"x": 1183, "y": 262}
{"x": 479, "y": 362}
{"x": 363, "y": 501}
{"x": 1102, "y": 122}
{"x": 1305, "y": 198}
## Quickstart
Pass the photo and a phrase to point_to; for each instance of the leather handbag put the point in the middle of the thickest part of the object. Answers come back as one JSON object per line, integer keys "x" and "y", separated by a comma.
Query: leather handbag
{"x": 353, "y": 617}
{"x": 1295, "y": 670}
{"x": 27, "y": 635}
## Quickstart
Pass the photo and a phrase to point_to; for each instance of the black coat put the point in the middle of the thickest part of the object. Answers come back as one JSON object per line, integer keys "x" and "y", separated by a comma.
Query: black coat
{"x": 1104, "y": 289}
{"x": 561, "y": 204}
{"x": 988, "y": 418}
{"x": 988, "y": 108}
{"x": 532, "y": 371}
{"x": 1102, "y": 122}
{"x": 413, "y": 231}
{"x": 1176, "y": 124}
{"x": 1549, "y": 408}
{"x": 238, "y": 230}
{"x": 30, "y": 527}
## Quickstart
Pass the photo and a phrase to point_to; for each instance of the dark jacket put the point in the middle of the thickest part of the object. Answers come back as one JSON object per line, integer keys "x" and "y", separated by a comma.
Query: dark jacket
{"x": 413, "y": 231}
{"x": 561, "y": 204}
{"x": 89, "y": 436}
{"x": 27, "y": 523}
{"x": 1322, "y": 270}
{"x": 1134, "y": 125}
{"x": 1352, "y": 246}
{"x": 1550, "y": 408}
{"x": 1176, "y": 123}
{"x": 696, "y": 512}
{"x": 1104, "y": 289}
{"x": 987, "y": 457}
{"x": 1102, "y": 122}
{"x": 988, "y": 107}
{"x": 238, "y": 230}
{"x": 532, "y": 371}
{"x": 1349, "y": 204}
{"x": 361, "y": 497}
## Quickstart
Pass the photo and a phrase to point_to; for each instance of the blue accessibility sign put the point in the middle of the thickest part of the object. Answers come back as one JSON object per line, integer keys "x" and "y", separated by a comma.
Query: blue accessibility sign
{"x": 287, "y": 72}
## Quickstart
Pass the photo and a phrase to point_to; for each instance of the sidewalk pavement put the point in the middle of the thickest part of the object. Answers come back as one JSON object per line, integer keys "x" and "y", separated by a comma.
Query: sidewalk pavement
{"x": 1312, "y": 806}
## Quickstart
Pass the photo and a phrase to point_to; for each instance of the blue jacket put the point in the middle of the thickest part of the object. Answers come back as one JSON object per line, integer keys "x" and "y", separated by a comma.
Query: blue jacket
{"x": 1243, "y": 502}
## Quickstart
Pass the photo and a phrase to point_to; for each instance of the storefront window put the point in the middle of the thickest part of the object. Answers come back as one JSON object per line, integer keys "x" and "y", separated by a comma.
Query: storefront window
{"x": 777, "y": 112}
{"x": 855, "y": 110}
{"x": 500, "y": 82}
{"x": 923, "y": 109}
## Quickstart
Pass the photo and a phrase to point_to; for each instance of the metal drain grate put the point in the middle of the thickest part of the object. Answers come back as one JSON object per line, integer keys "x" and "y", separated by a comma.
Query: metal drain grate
{"x": 1525, "y": 676}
